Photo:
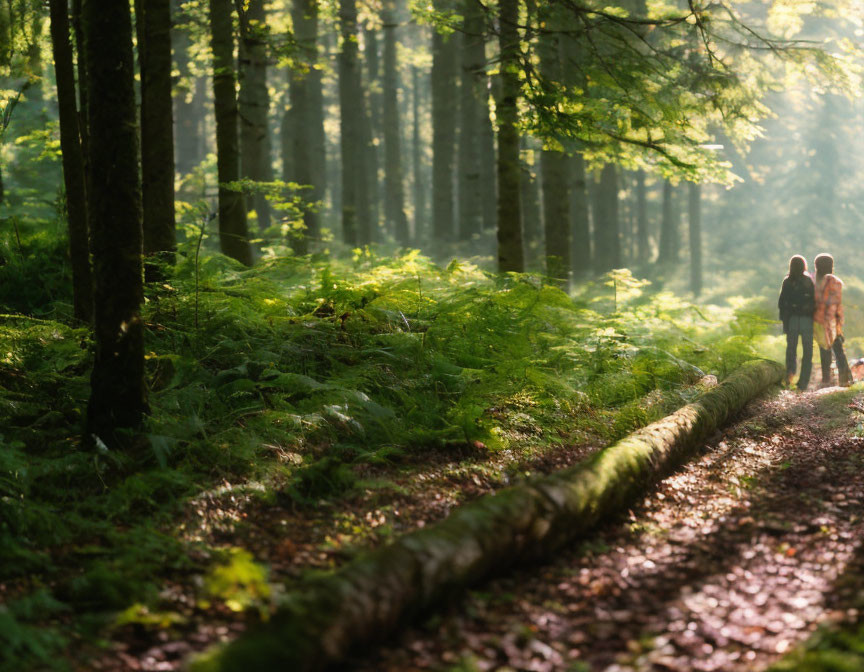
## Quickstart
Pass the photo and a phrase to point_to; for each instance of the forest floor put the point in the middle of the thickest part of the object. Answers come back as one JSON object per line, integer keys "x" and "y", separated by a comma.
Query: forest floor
{"x": 729, "y": 564}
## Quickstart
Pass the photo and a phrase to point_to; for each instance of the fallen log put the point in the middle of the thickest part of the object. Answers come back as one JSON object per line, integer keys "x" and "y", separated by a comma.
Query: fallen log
{"x": 374, "y": 594}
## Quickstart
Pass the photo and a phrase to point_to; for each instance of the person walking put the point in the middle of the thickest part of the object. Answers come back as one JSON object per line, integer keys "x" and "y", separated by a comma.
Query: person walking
{"x": 796, "y": 306}
{"x": 828, "y": 321}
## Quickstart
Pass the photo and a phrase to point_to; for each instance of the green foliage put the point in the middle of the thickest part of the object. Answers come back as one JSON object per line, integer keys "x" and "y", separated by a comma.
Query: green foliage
{"x": 340, "y": 364}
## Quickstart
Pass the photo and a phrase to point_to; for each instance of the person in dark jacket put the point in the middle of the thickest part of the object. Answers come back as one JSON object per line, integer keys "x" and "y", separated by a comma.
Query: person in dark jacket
{"x": 796, "y": 312}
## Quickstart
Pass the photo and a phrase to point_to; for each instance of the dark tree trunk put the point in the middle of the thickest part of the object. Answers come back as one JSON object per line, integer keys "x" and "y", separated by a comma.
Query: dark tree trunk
{"x": 695, "y": 220}
{"x": 607, "y": 242}
{"x": 420, "y": 221}
{"x": 511, "y": 255}
{"x": 83, "y": 120}
{"x": 670, "y": 235}
{"x": 73, "y": 163}
{"x": 472, "y": 103}
{"x": 117, "y": 396}
{"x": 153, "y": 25}
{"x": 397, "y": 221}
{"x": 306, "y": 116}
{"x": 579, "y": 219}
{"x": 643, "y": 249}
{"x": 444, "y": 114}
{"x": 356, "y": 227}
{"x": 187, "y": 120}
{"x": 254, "y": 107}
{"x": 233, "y": 232}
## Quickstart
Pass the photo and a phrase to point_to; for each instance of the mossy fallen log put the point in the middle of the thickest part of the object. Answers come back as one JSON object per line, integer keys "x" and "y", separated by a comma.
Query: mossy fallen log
{"x": 371, "y": 596}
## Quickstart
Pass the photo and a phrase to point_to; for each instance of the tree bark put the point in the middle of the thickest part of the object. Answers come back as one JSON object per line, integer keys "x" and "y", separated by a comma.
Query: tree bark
{"x": 117, "y": 396}
{"x": 579, "y": 218}
{"x": 511, "y": 255}
{"x": 532, "y": 212}
{"x": 356, "y": 224}
{"x": 254, "y": 107}
{"x": 306, "y": 116}
{"x": 695, "y": 221}
{"x": 397, "y": 220}
{"x": 420, "y": 219}
{"x": 83, "y": 120}
{"x": 643, "y": 246}
{"x": 554, "y": 173}
{"x": 153, "y": 26}
{"x": 472, "y": 100}
{"x": 372, "y": 126}
{"x": 233, "y": 232}
{"x": 670, "y": 235}
{"x": 73, "y": 162}
{"x": 372, "y": 596}
{"x": 444, "y": 114}
{"x": 607, "y": 243}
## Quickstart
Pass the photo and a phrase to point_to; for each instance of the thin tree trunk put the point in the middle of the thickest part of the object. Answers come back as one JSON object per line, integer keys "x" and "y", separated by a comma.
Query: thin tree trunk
{"x": 472, "y": 92}
{"x": 153, "y": 25}
{"x": 554, "y": 173}
{"x": 117, "y": 395}
{"x": 444, "y": 115}
{"x": 373, "y": 127}
{"x": 669, "y": 227}
{"x": 73, "y": 163}
{"x": 420, "y": 223}
{"x": 254, "y": 106}
{"x": 643, "y": 244}
{"x": 397, "y": 221}
{"x": 233, "y": 232}
{"x": 356, "y": 227}
{"x": 579, "y": 218}
{"x": 695, "y": 220}
{"x": 607, "y": 240}
{"x": 83, "y": 116}
{"x": 511, "y": 255}
{"x": 532, "y": 219}
{"x": 305, "y": 116}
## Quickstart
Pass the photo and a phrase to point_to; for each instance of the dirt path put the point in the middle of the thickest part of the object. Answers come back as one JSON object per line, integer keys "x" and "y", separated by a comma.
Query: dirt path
{"x": 729, "y": 564}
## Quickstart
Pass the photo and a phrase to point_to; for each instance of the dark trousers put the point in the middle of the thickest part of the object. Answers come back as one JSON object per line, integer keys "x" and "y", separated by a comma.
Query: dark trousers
{"x": 801, "y": 326}
{"x": 843, "y": 372}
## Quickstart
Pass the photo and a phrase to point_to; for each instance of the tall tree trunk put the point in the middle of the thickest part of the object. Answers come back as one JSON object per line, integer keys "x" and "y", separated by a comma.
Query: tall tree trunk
{"x": 83, "y": 115}
{"x": 372, "y": 128}
{"x": 670, "y": 235}
{"x": 695, "y": 219}
{"x": 532, "y": 217}
{"x": 607, "y": 242}
{"x": 579, "y": 218}
{"x": 254, "y": 106}
{"x": 554, "y": 172}
{"x": 397, "y": 221}
{"x": 356, "y": 226}
{"x": 444, "y": 114}
{"x": 153, "y": 25}
{"x": 642, "y": 240}
{"x": 117, "y": 396}
{"x": 287, "y": 126}
{"x": 472, "y": 102}
{"x": 306, "y": 116}
{"x": 233, "y": 232}
{"x": 187, "y": 120}
{"x": 73, "y": 162}
{"x": 420, "y": 221}
{"x": 511, "y": 256}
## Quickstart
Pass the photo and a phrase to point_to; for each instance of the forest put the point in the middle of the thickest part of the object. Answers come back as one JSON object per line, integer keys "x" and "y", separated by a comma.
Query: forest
{"x": 394, "y": 335}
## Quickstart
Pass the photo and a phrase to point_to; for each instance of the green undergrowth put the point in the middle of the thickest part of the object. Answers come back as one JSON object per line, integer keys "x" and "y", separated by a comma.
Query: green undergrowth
{"x": 830, "y": 649}
{"x": 295, "y": 374}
